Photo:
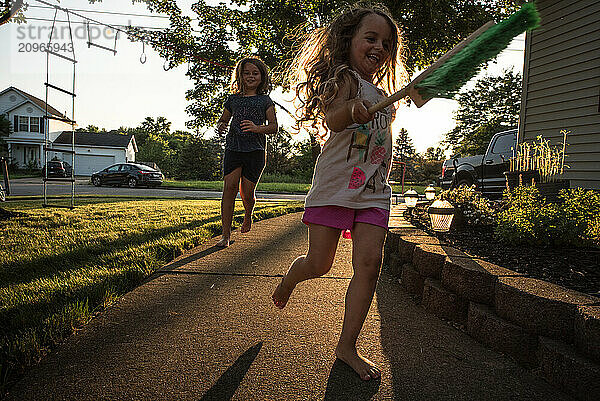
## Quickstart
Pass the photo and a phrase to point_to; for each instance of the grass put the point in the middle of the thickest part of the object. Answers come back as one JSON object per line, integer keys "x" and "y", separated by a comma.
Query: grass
{"x": 19, "y": 174}
{"x": 284, "y": 187}
{"x": 58, "y": 267}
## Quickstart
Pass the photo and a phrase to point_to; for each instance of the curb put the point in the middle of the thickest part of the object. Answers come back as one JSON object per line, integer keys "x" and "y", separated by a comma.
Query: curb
{"x": 553, "y": 330}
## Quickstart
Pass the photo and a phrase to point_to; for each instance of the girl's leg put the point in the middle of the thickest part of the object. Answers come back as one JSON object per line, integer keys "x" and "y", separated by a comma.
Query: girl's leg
{"x": 322, "y": 244}
{"x": 367, "y": 246}
{"x": 248, "y": 199}
{"x": 230, "y": 188}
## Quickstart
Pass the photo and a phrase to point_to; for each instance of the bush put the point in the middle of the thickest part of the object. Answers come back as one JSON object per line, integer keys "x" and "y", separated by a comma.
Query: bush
{"x": 529, "y": 219}
{"x": 581, "y": 216}
{"x": 475, "y": 210}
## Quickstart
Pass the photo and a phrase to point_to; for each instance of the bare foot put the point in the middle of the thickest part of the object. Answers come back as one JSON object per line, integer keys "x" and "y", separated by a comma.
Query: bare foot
{"x": 223, "y": 243}
{"x": 282, "y": 294}
{"x": 361, "y": 365}
{"x": 247, "y": 224}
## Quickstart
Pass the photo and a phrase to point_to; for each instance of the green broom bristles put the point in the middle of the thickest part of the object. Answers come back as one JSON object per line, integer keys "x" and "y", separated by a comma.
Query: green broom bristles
{"x": 449, "y": 78}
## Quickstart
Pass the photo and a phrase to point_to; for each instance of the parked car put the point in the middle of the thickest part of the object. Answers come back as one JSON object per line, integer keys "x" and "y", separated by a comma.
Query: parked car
{"x": 486, "y": 171}
{"x": 58, "y": 169}
{"x": 130, "y": 174}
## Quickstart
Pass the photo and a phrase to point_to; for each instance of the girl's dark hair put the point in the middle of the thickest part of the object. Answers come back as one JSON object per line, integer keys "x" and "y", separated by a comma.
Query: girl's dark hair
{"x": 237, "y": 83}
{"x": 322, "y": 64}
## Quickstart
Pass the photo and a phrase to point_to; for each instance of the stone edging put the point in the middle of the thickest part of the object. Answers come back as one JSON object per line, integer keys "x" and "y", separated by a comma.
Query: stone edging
{"x": 543, "y": 326}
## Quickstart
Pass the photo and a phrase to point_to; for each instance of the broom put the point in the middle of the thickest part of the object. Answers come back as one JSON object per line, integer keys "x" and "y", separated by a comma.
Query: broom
{"x": 448, "y": 74}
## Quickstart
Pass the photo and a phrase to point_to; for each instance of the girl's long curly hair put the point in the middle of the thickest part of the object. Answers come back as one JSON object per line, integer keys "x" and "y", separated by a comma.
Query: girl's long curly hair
{"x": 237, "y": 81}
{"x": 323, "y": 63}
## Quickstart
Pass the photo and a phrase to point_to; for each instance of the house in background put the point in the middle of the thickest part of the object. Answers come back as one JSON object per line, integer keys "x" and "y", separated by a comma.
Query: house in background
{"x": 561, "y": 85}
{"x": 93, "y": 151}
{"x": 26, "y": 112}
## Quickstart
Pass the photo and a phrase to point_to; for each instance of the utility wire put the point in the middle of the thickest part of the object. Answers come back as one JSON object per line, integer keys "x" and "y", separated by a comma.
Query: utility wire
{"x": 107, "y": 12}
{"x": 94, "y": 23}
{"x": 114, "y": 13}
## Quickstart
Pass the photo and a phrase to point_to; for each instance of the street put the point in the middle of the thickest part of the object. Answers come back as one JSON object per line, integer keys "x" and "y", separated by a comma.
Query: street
{"x": 25, "y": 187}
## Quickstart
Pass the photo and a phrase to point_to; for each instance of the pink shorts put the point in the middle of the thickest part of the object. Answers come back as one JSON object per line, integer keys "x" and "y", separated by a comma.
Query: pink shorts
{"x": 344, "y": 218}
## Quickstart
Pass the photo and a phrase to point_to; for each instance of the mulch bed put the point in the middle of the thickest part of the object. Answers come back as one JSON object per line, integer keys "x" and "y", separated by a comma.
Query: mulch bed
{"x": 574, "y": 268}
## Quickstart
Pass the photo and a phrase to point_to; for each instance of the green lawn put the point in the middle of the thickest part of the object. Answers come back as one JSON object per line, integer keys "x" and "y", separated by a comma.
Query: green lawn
{"x": 286, "y": 187}
{"x": 59, "y": 266}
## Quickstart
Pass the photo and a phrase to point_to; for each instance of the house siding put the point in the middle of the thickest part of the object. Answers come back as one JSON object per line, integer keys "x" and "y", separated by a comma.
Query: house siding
{"x": 6, "y": 103}
{"x": 561, "y": 88}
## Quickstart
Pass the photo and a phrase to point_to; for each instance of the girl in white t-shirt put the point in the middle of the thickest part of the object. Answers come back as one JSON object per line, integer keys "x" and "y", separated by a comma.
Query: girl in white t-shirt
{"x": 341, "y": 71}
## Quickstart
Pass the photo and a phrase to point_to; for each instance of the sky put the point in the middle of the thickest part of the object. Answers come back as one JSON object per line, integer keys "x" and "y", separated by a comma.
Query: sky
{"x": 115, "y": 90}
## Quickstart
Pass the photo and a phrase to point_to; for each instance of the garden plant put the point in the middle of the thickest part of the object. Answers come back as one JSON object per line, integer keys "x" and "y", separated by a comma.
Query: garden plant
{"x": 525, "y": 232}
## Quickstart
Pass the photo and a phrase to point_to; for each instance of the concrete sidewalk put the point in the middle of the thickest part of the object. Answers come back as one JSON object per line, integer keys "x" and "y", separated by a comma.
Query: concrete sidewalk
{"x": 205, "y": 328}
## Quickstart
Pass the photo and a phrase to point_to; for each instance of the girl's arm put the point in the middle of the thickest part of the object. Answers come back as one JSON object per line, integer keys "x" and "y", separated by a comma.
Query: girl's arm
{"x": 270, "y": 128}
{"x": 223, "y": 120}
{"x": 346, "y": 109}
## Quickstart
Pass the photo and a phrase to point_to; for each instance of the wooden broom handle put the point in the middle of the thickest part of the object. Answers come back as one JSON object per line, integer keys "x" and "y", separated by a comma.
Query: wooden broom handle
{"x": 402, "y": 93}
{"x": 407, "y": 90}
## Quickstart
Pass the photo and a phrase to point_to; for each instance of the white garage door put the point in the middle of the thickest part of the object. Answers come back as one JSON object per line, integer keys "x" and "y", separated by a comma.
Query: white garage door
{"x": 88, "y": 164}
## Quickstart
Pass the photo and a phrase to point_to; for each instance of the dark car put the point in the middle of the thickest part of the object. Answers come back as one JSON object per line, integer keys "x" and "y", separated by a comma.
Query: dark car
{"x": 57, "y": 169}
{"x": 486, "y": 171}
{"x": 130, "y": 174}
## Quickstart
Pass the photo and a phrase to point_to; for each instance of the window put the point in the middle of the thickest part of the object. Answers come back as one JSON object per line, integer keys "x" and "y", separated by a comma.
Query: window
{"x": 28, "y": 124}
{"x": 34, "y": 124}
{"x": 113, "y": 169}
{"x": 503, "y": 144}
{"x": 23, "y": 124}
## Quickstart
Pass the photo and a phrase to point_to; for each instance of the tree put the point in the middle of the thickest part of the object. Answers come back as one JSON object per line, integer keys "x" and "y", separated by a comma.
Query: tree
{"x": 279, "y": 149}
{"x": 491, "y": 106}
{"x": 91, "y": 128}
{"x": 199, "y": 159}
{"x": 404, "y": 153}
{"x": 5, "y": 130}
{"x": 302, "y": 162}
{"x": 270, "y": 28}
{"x": 156, "y": 149}
{"x": 428, "y": 165}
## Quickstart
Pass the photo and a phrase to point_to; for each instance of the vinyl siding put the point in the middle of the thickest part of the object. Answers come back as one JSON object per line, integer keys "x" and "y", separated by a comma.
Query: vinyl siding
{"x": 561, "y": 88}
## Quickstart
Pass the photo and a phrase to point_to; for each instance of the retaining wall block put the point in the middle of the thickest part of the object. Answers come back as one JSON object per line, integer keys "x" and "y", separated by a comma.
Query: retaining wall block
{"x": 429, "y": 259}
{"x": 407, "y": 244}
{"x": 443, "y": 303}
{"x": 392, "y": 265}
{"x": 501, "y": 335}
{"x": 587, "y": 331}
{"x": 540, "y": 307}
{"x": 562, "y": 367}
{"x": 473, "y": 279}
{"x": 412, "y": 281}
{"x": 391, "y": 242}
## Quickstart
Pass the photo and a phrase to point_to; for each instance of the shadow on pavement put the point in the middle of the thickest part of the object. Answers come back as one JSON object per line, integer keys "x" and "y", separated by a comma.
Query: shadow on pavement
{"x": 225, "y": 387}
{"x": 183, "y": 261}
{"x": 345, "y": 384}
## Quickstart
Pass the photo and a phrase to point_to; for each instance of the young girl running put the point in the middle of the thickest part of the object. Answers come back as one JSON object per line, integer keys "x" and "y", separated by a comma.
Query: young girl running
{"x": 245, "y": 143}
{"x": 338, "y": 75}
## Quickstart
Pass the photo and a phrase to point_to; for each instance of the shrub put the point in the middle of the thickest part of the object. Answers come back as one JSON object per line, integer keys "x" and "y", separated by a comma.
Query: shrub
{"x": 581, "y": 216}
{"x": 472, "y": 207}
{"x": 529, "y": 219}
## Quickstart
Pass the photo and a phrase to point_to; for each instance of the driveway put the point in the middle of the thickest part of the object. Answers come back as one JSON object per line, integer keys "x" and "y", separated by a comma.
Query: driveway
{"x": 33, "y": 187}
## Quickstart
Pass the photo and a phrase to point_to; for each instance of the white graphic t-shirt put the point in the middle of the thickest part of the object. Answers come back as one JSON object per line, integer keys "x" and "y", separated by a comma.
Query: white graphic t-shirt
{"x": 353, "y": 167}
